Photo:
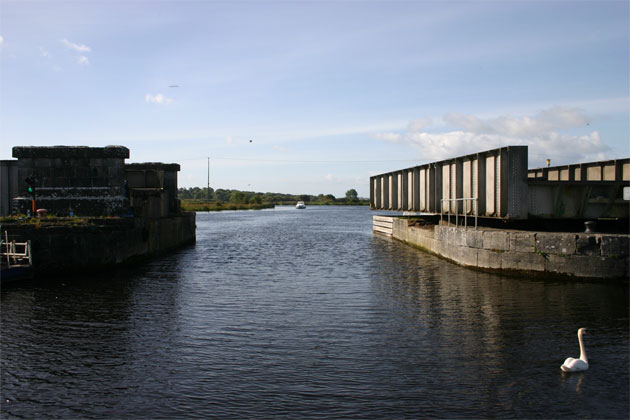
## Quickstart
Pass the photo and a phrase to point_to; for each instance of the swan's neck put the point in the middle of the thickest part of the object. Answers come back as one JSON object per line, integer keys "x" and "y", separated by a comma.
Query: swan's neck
{"x": 582, "y": 349}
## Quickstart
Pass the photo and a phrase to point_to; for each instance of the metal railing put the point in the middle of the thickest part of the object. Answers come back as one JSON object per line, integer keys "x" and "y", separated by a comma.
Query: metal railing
{"x": 16, "y": 253}
{"x": 474, "y": 202}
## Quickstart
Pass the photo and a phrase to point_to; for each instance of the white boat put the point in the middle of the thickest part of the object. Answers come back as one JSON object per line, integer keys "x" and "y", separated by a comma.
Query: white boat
{"x": 300, "y": 205}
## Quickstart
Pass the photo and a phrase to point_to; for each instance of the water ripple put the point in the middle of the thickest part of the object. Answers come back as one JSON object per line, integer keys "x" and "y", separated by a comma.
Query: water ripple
{"x": 306, "y": 314}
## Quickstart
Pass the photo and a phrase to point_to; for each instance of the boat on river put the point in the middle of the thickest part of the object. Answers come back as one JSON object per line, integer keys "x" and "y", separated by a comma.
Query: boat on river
{"x": 300, "y": 205}
{"x": 15, "y": 260}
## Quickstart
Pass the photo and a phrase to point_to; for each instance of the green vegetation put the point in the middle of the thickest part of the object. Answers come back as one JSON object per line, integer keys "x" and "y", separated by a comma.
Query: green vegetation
{"x": 197, "y": 205}
{"x": 198, "y": 199}
{"x": 52, "y": 220}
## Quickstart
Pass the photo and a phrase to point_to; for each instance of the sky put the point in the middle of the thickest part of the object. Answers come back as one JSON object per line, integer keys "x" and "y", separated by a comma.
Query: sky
{"x": 314, "y": 97}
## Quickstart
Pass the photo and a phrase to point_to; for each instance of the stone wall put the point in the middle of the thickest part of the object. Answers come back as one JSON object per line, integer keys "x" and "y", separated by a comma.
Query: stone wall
{"x": 94, "y": 182}
{"x": 61, "y": 249}
{"x": 85, "y": 181}
{"x": 583, "y": 255}
{"x": 153, "y": 188}
{"x": 8, "y": 185}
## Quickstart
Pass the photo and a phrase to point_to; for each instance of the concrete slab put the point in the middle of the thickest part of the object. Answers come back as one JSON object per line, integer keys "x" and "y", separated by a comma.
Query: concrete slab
{"x": 556, "y": 243}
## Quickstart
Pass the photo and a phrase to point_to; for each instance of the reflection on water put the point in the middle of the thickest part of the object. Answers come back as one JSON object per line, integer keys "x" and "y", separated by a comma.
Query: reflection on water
{"x": 306, "y": 314}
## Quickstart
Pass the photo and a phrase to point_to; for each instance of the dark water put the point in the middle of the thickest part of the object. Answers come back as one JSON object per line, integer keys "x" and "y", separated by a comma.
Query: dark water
{"x": 305, "y": 314}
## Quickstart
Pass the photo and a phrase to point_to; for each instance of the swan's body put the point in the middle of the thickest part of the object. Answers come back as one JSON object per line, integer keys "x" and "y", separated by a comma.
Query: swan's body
{"x": 577, "y": 365}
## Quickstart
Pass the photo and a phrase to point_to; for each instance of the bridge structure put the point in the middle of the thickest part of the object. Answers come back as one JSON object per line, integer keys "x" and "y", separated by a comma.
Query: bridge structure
{"x": 497, "y": 184}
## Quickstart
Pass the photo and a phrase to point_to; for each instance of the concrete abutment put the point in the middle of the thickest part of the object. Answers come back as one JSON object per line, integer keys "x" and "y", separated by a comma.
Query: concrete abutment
{"x": 576, "y": 255}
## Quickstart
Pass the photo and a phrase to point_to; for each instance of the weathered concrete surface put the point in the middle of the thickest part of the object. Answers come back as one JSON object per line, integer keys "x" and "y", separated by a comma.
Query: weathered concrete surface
{"x": 85, "y": 181}
{"x": 580, "y": 255}
{"x": 61, "y": 249}
{"x": 144, "y": 177}
{"x": 70, "y": 152}
{"x": 8, "y": 185}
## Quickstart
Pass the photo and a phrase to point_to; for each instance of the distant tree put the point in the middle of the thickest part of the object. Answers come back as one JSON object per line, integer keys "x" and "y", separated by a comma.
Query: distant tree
{"x": 257, "y": 199}
{"x": 325, "y": 198}
{"x": 183, "y": 193}
{"x": 306, "y": 198}
{"x": 352, "y": 195}
{"x": 238, "y": 197}
{"x": 223, "y": 195}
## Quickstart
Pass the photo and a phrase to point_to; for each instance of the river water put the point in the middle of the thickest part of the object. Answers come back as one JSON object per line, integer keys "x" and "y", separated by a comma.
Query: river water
{"x": 290, "y": 313}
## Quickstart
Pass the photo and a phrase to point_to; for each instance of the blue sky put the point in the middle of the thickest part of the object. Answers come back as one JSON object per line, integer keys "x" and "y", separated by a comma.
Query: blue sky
{"x": 329, "y": 92}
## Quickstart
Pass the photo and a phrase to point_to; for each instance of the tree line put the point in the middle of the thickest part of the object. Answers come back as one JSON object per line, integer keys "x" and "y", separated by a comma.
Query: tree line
{"x": 251, "y": 197}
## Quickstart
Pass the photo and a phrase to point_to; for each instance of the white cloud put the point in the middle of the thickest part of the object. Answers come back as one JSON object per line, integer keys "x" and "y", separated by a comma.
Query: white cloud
{"x": 1, "y": 40}
{"x": 390, "y": 137}
{"x": 544, "y": 132}
{"x": 419, "y": 124}
{"x": 76, "y": 47}
{"x": 157, "y": 99}
{"x": 43, "y": 52}
{"x": 81, "y": 59}
{"x": 556, "y": 118}
{"x": 280, "y": 149}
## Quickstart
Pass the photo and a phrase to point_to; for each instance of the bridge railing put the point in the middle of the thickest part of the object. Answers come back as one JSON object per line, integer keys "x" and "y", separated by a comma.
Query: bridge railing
{"x": 472, "y": 200}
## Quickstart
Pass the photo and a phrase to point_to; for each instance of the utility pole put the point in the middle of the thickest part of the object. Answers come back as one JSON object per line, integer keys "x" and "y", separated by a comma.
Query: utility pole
{"x": 208, "y": 190}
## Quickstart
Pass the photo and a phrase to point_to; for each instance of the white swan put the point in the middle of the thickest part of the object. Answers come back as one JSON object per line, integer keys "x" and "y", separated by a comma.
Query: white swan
{"x": 577, "y": 365}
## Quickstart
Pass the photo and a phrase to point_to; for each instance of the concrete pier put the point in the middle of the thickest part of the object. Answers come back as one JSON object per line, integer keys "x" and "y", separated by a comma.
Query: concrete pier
{"x": 577, "y": 255}
{"x": 105, "y": 212}
{"x": 87, "y": 181}
{"x": 64, "y": 247}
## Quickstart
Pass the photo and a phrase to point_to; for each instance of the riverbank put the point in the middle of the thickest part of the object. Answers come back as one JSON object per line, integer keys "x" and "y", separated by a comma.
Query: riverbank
{"x": 571, "y": 255}
{"x": 218, "y": 206}
{"x": 196, "y": 205}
